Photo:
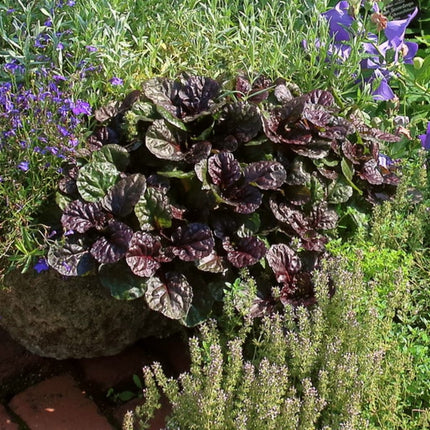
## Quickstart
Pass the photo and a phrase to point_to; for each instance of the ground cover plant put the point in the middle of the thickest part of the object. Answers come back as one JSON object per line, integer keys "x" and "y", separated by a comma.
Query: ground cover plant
{"x": 347, "y": 68}
{"x": 213, "y": 185}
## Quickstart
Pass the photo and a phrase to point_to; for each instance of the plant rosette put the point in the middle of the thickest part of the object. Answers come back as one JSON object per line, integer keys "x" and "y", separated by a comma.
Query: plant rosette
{"x": 185, "y": 184}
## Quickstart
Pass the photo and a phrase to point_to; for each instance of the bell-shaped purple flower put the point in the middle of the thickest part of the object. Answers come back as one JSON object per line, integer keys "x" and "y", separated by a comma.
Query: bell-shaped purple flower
{"x": 395, "y": 30}
{"x": 383, "y": 91}
{"x": 339, "y": 21}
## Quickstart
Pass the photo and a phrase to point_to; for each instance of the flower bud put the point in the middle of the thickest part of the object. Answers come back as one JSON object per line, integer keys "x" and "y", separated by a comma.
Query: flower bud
{"x": 418, "y": 62}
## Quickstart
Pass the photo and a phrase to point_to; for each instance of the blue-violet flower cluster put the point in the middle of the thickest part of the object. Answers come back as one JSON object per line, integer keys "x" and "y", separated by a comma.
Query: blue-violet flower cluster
{"x": 379, "y": 56}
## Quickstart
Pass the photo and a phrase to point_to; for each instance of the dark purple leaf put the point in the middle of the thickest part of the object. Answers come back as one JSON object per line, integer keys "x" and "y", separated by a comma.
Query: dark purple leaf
{"x": 267, "y": 175}
{"x": 302, "y": 293}
{"x": 313, "y": 241}
{"x": 245, "y": 199}
{"x": 213, "y": 263}
{"x": 246, "y": 252}
{"x": 370, "y": 173}
{"x": 320, "y": 97}
{"x": 142, "y": 254}
{"x": 164, "y": 141}
{"x": 281, "y": 92}
{"x": 243, "y": 86}
{"x": 224, "y": 169}
{"x": 71, "y": 258}
{"x": 192, "y": 242}
{"x": 359, "y": 153}
{"x": 123, "y": 196}
{"x": 81, "y": 216}
{"x": 114, "y": 243}
{"x": 324, "y": 218}
{"x": 195, "y": 96}
{"x": 262, "y": 307}
{"x": 294, "y": 218}
{"x": 129, "y": 100}
{"x": 199, "y": 151}
{"x": 284, "y": 262}
{"x": 239, "y": 121}
{"x": 172, "y": 296}
{"x": 161, "y": 91}
{"x": 107, "y": 112}
{"x": 317, "y": 115}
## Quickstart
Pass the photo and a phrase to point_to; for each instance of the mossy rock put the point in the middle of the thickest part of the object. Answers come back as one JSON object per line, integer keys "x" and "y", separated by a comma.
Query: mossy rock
{"x": 76, "y": 317}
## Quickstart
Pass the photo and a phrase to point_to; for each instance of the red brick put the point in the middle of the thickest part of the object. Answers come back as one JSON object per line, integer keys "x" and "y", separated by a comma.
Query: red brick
{"x": 6, "y": 422}
{"x": 58, "y": 404}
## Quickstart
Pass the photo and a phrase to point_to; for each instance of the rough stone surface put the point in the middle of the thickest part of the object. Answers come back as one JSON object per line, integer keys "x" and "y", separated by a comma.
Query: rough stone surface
{"x": 76, "y": 317}
{"x": 58, "y": 403}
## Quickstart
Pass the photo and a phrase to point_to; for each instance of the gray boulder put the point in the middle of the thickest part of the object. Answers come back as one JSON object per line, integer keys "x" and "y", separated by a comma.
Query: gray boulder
{"x": 75, "y": 317}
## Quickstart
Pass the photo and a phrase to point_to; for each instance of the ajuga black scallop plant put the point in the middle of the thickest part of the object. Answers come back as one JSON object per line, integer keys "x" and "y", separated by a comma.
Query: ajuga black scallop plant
{"x": 185, "y": 183}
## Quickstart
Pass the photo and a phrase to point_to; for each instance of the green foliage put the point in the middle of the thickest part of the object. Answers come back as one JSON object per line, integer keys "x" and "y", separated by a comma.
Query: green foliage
{"x": 328, "y": 367}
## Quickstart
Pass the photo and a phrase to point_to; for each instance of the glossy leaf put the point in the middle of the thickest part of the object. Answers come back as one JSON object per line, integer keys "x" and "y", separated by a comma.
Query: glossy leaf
{"x": 267, "y": 175}
{"x": 224, "y": 169}
{"x": 283, "y": 261}
{"x": 114, "y": 154}
{"x": 71, "y": 258}
{"x": 172, "y": 296}
{"x": 247, "y": 251}
{"x": 123, "y": 196}
{"x": 142, "y": 255}
{"x": 213, "y": 263}
{"x": 153, "y": 209}
{"x": 192, "y": 242}
{"x": 164, "y": 141}
{"x": 113, "y": 244}
{"x": 81, "y": 216}
{"x": 95, "y": 179}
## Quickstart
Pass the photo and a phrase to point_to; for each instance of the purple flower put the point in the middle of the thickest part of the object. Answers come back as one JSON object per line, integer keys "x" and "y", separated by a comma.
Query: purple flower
{"x": 81, "y": 107}
{"x": 24, "y": 166}
{"x": 116, "y": 81}
{"x": 395, "y": 31}
{"x": 60, "y": 46}
{"x": 14, "y": 67}
{"x": 425, "y": 138}
{"x": 63, "y": 130}
{"x": 409, "y": 51}
{"x": 91, "y": 48}
{"x": 41, "y": 265}
{"x": 383, "y": 91}
{"x": 339, "y": 21}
